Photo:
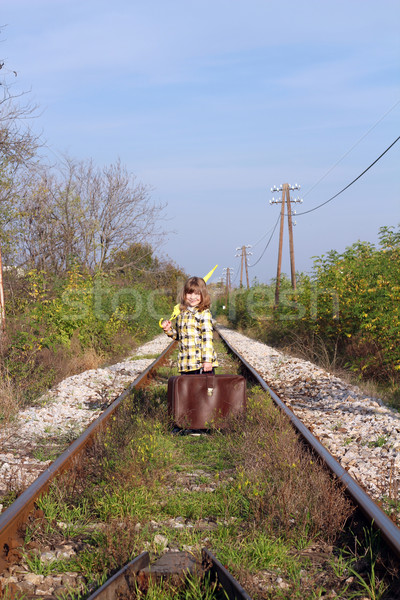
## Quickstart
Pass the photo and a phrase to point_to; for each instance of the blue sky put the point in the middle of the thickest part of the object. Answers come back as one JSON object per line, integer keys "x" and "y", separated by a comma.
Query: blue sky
{"x": 212, "y": 103}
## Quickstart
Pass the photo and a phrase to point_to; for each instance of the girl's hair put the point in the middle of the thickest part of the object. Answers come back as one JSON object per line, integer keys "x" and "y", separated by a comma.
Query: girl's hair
{"x": 195, "y": 284}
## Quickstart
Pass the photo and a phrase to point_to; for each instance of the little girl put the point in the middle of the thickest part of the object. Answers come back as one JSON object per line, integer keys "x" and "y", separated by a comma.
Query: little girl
{"x": 194, "y": 329}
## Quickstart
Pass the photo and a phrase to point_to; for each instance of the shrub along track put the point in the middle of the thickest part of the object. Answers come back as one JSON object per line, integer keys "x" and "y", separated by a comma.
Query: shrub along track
{"x": 252, "y": 493}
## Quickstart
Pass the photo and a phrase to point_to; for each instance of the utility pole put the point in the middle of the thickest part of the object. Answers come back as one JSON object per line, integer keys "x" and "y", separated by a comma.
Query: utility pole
{"x": 278, "y": 272}
{"x": 286, "y": 188}
{"x": 228, "y": 282}
{"x": 2, "y": 305}
{"x": 243, "y": 263}
{"x": 291, "y": 247}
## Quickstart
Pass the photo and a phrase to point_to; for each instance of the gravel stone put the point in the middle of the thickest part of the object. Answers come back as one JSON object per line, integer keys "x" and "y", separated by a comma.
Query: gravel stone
{"x": 33, "y": 579}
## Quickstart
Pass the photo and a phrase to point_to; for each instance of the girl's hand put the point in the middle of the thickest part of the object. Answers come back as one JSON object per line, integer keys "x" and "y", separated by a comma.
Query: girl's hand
{"x": 166, "y": 325}
{"x": 207, "y": 367}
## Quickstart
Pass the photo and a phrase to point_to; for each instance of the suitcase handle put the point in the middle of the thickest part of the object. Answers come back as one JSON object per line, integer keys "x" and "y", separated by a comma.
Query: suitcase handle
{"x": 209, "y": 381}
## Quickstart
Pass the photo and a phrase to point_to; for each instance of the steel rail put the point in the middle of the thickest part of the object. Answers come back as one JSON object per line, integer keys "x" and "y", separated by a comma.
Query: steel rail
{"x": 229, "y": 584}
{"x": 123, "y": 582}
{"x": 16, "y": 515}
{"x": 372, "y": 512}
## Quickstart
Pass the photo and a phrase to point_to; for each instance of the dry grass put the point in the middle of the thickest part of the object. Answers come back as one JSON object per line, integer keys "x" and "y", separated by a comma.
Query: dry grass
{"x": 33, "y": 369}
{"x": 223, "y": 320}
{"x": 39, "y": 372}
{"x": 287, "y": 485}
{"x": 314, "y": 349}
{"x": 88, "y": 359}
{"x": 330, "y": 357}
{"x": 10, "y": 399}
{"x": 54, "y": 367}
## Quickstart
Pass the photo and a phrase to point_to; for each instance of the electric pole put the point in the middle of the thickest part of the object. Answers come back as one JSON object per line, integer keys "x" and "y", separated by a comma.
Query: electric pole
{"x": 243, "y": 263}
{"x": 228, "y": 282}
{"x": 2, "y": 305}
{"x": 286, "y": 188}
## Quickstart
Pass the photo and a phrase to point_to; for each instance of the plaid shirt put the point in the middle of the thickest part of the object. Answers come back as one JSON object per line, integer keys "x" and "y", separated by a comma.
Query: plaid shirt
{"x": 194, "y": 331}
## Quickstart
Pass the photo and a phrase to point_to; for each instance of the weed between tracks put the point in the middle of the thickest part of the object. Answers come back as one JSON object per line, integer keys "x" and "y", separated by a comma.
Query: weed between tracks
{"x": 250, "y": 493}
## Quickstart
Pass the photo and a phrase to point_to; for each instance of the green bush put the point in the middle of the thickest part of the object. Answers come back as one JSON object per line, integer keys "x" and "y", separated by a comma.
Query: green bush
{"x": 350, "y": 301}
{"x": 56, "y": 319}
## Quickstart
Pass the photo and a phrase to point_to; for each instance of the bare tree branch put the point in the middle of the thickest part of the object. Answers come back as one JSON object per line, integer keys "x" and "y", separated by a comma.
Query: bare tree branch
{"x": 86, "y": 214}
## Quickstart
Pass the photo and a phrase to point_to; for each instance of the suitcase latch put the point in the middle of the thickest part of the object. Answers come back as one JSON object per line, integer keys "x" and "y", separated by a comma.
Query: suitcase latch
{"x": 210, "y": 391}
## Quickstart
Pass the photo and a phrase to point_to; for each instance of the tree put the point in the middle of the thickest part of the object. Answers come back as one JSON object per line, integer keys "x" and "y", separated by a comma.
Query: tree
{"x": 138, "y": 264}
{"x": 80, "y": 213}
{"x": 18, "y": 148}
{"x": 118, "y": 210}
{"x": 18, "y": 145}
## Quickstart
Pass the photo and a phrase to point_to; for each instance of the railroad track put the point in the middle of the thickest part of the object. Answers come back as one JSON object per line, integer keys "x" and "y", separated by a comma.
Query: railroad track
{"x": 20, "y": 512}
{"x": 175, "y": 566}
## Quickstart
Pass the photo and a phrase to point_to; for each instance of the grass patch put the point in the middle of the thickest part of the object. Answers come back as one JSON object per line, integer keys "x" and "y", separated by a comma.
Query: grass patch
{"x": 196, "y": 589}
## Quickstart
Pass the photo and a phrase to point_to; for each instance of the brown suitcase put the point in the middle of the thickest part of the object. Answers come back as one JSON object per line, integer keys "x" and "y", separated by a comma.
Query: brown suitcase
{"x": 206, "y": 400}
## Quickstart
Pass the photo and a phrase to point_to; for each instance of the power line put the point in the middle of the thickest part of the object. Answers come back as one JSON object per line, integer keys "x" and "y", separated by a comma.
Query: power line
{"x": 236, "y": 276}
{"x": 268, "y": 243}
{"x": 351, "y": 183}
{"x": 263, "y": 236}
{"x": 353, "y": 146}
{"x": 320, "y": 205}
